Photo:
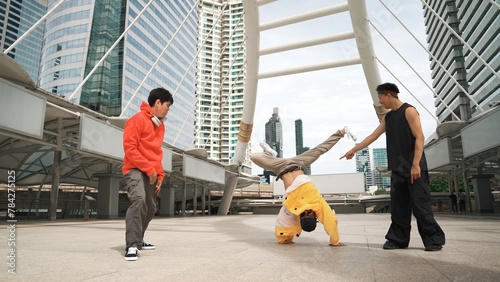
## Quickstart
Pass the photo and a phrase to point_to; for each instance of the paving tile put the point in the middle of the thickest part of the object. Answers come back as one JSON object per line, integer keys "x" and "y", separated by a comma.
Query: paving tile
{"x": 243, "y": 248}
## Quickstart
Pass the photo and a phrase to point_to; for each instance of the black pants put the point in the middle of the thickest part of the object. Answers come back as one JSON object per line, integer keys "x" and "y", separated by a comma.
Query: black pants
{"x": 405, "y": 198}
{"x": 462, "y": 206}
{"x": 454, "y": 206}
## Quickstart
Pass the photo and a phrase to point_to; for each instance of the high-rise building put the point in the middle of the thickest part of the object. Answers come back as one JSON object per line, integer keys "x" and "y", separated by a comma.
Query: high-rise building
{"x": 299, "y": 143}
{"x": 274, "y": 133}
{"x": 80, "y": 32}
{"x": 363, "y": 164}
{"x": 477, "y": 23}
{"x": 17, "y": 17}
{"x": 299, "y": 140}
{"x": 380, "y": 160}
{"x": 220, "y": 79}
{"x": 274, "y": 138}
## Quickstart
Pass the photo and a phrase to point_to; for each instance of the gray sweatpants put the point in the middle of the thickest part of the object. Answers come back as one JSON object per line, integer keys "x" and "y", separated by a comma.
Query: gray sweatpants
{"x": 278, "y": 165}
{"x": 142, "y": 209}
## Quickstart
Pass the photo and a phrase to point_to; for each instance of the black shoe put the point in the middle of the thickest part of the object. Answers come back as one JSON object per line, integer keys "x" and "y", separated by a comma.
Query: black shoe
{"x": 132, "y": 253}
{"x": 433, "y": 248}
{"x": 146, "y": 246}
{"x": 390, "y": 245}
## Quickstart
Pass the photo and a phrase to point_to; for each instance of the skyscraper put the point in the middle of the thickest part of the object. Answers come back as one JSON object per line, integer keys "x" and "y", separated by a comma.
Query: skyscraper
{"x": 80, "y": 32}
{"x": 299, "y": 143}
{"x": 477, "y": 23}
{"x": 363, "y": 164}
{"x": 16, "y": 17}
{"x": 380, "y": 160}
{"x": 220, "y": 79}
{"x": 299, "y": 140}
{"x": 274, "y": 133}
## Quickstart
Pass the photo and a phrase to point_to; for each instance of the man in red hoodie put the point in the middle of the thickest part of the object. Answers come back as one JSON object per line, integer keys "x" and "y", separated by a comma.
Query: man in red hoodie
{"x": 142, "y": 168}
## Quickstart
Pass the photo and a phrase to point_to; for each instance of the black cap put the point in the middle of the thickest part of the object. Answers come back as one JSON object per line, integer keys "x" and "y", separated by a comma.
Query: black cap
{"x": 308, "y": 220}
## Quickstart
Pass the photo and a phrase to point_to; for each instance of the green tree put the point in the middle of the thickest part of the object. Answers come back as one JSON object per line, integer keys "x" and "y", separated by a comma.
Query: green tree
{"x": 439, "y": 184}
{"x": 380, "y": 192}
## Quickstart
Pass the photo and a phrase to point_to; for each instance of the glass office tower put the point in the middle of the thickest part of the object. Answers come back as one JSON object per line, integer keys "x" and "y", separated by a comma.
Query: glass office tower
{"x": 478, "y": 24}
{"x": 274, "y": 133}
{"x": 17, "y": 17}
{"x": 363, "y": 164}
{"x": 80, "y": 32}
{"x": 299, "y": 143}
{"x": 380, "y": 160}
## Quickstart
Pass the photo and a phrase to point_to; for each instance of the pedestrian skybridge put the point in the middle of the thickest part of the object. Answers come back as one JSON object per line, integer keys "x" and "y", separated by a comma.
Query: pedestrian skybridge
{"x": 46, "y": 139}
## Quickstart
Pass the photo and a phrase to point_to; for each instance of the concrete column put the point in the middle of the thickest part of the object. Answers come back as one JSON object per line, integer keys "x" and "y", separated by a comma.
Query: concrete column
{"x": 449, "y": 184}
{"x": 468, "y": 203}
{"x": 54, "y": 192}
{"x": 203, "y": 200}
{"x": 184, "y": 197}
{"x": 457, "y": 182}
{"x": 107, "y": 195}
{"x": 209, "y": 200}
{"x": 227, "y": 197}
{"x": 195, "y": 196}
{"x": 167, "y": 196}
{"x": 482, "y": 192}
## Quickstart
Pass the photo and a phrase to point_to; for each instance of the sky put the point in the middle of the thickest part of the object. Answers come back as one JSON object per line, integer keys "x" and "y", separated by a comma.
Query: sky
{"x": 327, "y": 100}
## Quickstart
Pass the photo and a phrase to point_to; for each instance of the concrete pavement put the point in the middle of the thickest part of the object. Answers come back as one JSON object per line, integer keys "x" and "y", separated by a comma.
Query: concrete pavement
{"x": 243, "y": 248}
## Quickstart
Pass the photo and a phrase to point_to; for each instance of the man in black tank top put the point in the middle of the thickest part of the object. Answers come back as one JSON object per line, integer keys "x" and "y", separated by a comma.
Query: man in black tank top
{"x": 409, "y": 174}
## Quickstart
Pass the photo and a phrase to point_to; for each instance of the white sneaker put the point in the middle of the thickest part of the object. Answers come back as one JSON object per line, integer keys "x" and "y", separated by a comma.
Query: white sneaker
{"x": 349, "y": 134}
{"x": 268, "y": 149}
{"x": 132, "y": 253}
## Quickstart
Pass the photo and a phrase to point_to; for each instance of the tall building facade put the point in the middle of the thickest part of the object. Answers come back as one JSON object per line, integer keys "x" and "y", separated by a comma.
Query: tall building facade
{"x": 367, "y": 161}
{"x": 274, "y": 133}
{"x": 478, "y": 24}
{"x": 80, "y": 32}
{"x": 380, "y": 160}
{"x": 16, "y": 17}
{"x": 274, "y": 138}
{"x": 364, "y": 165}
{"x": 220, "y": 79}
{"x": 299, "y": 139}
{"x": 299, "y": 143}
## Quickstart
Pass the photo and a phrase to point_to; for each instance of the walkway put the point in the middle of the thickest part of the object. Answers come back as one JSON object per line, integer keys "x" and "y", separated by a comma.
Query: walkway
{"x": 243, "y": 248}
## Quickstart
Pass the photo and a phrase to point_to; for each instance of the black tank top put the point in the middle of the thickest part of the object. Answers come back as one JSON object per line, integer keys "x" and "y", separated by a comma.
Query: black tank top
{"x": 400, "y": 141}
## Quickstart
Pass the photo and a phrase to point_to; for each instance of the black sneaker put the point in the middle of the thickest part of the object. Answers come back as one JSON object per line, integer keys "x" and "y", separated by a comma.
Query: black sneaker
{"x": 433, "y": 248}
{"x": 390, "y": 245}
{"x": 146, "y": 246}
{"x": 132, "y": 253}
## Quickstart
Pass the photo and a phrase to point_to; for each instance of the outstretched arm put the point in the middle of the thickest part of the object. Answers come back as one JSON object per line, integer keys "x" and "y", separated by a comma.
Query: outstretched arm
{"x": 367, "y": 141}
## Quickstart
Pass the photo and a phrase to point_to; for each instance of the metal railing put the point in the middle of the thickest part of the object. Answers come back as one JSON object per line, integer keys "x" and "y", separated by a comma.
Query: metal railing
{"x": 33, "y": 208}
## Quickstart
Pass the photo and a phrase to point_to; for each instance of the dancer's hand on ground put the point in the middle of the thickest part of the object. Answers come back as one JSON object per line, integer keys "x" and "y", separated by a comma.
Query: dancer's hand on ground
{"x": 338, "y": 245}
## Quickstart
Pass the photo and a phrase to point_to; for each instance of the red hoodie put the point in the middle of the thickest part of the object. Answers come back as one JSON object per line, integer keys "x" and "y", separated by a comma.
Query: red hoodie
{"x": 142, "y": 141}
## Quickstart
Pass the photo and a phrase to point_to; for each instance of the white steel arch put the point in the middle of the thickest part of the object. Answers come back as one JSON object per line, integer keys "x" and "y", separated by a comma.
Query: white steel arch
{"x": 362, "y": 36}
{"x": 252, "y": 33}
